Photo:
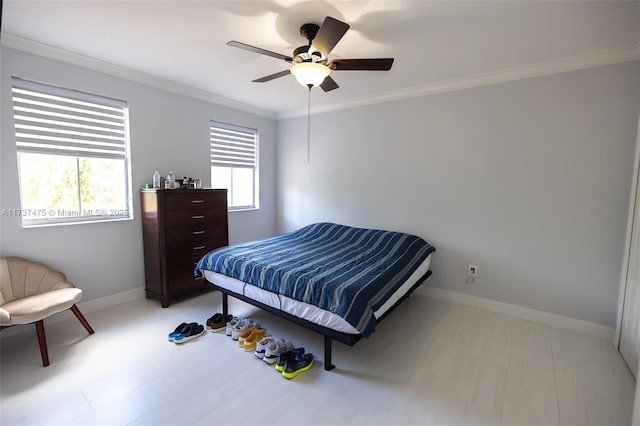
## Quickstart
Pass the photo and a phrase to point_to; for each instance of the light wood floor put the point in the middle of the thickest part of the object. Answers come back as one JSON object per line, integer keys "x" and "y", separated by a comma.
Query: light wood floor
{"x": 430, "y": 362}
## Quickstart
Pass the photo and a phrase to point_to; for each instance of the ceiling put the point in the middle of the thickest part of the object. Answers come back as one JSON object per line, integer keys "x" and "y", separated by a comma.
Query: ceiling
{"x": 433, "y": 42}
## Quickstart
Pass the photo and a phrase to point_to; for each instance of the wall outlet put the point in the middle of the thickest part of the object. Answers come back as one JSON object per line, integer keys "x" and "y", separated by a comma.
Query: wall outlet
{"x": 473, "y": 271}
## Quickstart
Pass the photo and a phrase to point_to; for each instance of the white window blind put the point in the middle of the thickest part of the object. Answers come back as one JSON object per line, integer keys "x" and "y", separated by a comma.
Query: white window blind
{"x": 234, "y": 162}
{"x": 73, "y": 155}
{"x": 60, "y": 121}
{"x": 232, "y": 146}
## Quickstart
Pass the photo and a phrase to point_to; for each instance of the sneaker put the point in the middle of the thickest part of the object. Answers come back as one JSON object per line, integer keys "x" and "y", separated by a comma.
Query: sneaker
{"x": 231, "y": 324}
{"x": 251, "y": 342}
{"x": 296, "y": 365}
{"x": 284, "y": 356}
{"x": 276, "y": 348}
{"x": 220, "y": 323}
{"x": 261, "y": 346}
{"x": 241, "y": 326}
{"x": 245, "y": 334}
{"x": 179, "y": 330}
{"x": 192, "y": 332}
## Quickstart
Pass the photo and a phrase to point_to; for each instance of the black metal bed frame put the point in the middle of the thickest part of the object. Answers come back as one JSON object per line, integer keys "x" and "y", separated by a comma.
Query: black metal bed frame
{"x": 329, "y": 334}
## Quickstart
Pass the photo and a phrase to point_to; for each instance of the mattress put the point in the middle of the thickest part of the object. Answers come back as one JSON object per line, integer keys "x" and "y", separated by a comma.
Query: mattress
{"x": 305, "y": 310}
{"x": 348, "y": 271}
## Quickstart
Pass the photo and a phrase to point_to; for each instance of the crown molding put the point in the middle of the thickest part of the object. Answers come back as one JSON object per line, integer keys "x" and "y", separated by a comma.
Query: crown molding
{"x": 589, "y": 60}
{"x": 29, "y": 46}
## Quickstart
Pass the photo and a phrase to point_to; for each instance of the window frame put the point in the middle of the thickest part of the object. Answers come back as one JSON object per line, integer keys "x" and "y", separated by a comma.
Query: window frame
{"x": 73, "y": 146}
{"x": 243, "y": 157}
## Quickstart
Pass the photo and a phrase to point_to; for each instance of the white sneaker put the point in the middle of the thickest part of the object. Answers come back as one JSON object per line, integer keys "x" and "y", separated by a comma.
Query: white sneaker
{"x": 261, "y": 347}
{"x": 229, "y": 327}
{"x": 241, "y": 326}
{"x": 274, "y": 349}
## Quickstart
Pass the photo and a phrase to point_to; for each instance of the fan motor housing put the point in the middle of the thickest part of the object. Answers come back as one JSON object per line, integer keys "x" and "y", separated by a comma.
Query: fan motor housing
{"x": 309, "y": 31}
{"x": 301, "y": 54}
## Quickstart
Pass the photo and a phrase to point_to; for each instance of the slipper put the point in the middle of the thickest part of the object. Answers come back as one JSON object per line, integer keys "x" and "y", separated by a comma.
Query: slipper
{"x": 220, "y": 323}
{"x": 179, "y": 330}
{"x": 194, "y": 331}
{"x": 213, "y": 320}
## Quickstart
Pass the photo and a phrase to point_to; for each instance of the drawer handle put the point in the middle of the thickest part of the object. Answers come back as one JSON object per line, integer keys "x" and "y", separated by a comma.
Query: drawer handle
{"x": 197, "y": 232}
{"x": 199, "y": 247}
{"x": 197, "y": 217}
{"x": 197, "y": 201}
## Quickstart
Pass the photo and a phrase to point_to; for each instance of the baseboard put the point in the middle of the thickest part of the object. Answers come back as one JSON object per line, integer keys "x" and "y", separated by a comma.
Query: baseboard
{"x": 87, "y": 307}
{"x": 111, "y": 300}
{"x": 541, "y": 317}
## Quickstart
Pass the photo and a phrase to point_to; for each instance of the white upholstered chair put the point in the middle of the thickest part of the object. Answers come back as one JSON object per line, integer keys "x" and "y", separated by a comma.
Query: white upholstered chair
{"x": 30, "y": 292}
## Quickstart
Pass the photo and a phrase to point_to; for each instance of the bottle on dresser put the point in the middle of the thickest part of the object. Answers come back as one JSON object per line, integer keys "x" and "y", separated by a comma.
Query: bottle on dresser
{"x": 170, "y": 183}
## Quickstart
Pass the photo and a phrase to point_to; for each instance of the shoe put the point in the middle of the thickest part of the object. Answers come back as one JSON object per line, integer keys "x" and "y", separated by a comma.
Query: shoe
{"x": 249, "y": 332}
{"x": 193, "y": 331}
{"x": 297, "y": 365}
{"x": 241, "y": 326}
{"x": 229, "y": 327}
{"x": 215, "y": 318}
{"x": 251, "y": 342}
{"x": 179, "y": 330}
{"x": 246, "y": 333}
{"x": 219, "y": 323}
{"x": 261, "y": 346}
{"x": 276, "y": 348}
{"x": 284, "y": 356}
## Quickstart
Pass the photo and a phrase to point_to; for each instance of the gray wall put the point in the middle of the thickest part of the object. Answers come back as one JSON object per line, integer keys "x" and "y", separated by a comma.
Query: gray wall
{"x": 168, "y": 132}
{"x": 530, "y": 180}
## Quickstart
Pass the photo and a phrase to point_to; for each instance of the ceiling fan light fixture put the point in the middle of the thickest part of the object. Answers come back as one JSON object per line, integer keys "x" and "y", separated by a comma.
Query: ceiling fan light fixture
{"x": 310, "y": 74}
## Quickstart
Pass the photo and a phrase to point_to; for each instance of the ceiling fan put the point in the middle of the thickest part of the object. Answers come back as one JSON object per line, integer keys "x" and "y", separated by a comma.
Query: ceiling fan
{"x": 311, "y": 65}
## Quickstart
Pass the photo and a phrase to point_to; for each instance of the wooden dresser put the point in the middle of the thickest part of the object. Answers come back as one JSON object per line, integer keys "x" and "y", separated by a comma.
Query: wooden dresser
{"x": 179, "y": 227}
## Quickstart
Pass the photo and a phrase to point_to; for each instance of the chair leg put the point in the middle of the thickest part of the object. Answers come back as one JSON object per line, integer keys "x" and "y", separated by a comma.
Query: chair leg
{"x": 42, "y": 340}
{"x": 82, "y": 319}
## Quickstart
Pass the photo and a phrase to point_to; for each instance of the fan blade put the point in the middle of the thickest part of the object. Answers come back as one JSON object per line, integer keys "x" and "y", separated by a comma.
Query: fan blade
{"x": 372, "y": 64}
{"x": 329, "y": 35}
{"x": 329, "y": 84}
{"x": 271, "y": 77}
{"x": 259, "y": 50}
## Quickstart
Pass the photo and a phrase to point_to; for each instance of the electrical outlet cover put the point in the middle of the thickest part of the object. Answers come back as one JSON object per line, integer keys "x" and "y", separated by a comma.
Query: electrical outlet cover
{"x": 473, "y": 270}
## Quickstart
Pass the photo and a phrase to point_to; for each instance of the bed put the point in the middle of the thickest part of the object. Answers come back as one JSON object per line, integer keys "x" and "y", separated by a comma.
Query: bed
{"x": 337, "y": 280}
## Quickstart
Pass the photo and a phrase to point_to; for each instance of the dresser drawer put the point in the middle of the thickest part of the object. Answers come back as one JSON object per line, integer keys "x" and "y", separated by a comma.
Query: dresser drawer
{"x": 182, "y": 267}
{"x": 195, "y": 201}
{"x": 197, "y": 248}
{"x": 196, "y": 217}
{"x": 181, "y": 279}
{"x": 197, "y": 231}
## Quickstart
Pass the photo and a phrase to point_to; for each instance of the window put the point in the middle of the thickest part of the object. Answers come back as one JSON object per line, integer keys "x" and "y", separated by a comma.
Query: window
{"x": 73, "y": 155}
{"x": 234, "y": 163}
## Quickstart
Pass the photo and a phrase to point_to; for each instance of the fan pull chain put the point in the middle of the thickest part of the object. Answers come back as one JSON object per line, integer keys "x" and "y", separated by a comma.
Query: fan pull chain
{"x": 309, "y": 126}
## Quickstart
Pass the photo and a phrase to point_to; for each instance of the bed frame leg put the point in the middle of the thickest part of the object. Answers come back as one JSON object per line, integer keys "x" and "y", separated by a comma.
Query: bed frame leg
{"x": 327, "y": 354}
{"x": 225, "y": 304}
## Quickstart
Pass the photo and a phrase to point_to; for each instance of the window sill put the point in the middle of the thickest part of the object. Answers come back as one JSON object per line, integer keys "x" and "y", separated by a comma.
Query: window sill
{"x": 242, "y": 209}
{"x": 77, "y": 222}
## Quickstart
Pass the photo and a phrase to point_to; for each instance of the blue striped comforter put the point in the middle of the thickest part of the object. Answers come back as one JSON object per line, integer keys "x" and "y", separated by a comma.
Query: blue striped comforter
{"x": 348, "y": 271}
